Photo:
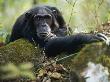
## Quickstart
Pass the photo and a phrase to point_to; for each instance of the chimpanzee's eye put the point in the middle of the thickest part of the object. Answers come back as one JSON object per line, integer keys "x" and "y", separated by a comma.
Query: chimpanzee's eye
{"x": 47, "y": 16}
{"x": 37, "y": 17}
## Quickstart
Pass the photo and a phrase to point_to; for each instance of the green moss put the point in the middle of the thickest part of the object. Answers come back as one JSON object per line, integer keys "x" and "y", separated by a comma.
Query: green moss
{"x": 104, "y": 60}
{"x": 91, "y": 52}
{"x": 18, "y": 52}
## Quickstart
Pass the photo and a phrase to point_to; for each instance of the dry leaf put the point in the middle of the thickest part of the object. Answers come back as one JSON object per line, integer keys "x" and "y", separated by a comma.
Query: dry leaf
{"x": 41, "y": 72}
{"x": 55, "y": 75}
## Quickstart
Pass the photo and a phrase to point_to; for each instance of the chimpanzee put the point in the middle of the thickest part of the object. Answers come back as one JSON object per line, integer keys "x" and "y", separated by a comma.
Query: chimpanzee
{"x": 45, "y": 26}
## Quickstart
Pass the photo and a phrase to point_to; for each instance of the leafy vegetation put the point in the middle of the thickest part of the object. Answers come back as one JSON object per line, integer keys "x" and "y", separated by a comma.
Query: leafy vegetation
{"x": 80, "y": 15}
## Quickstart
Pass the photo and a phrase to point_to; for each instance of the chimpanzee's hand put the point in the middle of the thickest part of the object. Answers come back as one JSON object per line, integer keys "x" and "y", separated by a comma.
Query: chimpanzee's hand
{"x": 104, "y": 38}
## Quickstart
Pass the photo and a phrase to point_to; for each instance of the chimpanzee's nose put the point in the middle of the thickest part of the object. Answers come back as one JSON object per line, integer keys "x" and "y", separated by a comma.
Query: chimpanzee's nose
{"x": 43, "y": 25}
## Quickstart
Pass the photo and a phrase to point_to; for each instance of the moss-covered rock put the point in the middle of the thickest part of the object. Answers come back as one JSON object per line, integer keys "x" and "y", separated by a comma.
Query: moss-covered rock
{"x": 18, "y": 52}
{"x": 95, "y": 52}
{"x": 89, "y": 53}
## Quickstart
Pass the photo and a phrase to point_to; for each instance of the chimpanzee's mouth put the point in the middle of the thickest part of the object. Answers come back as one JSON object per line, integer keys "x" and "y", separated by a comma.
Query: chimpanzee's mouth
{"x": 44, "y": 35}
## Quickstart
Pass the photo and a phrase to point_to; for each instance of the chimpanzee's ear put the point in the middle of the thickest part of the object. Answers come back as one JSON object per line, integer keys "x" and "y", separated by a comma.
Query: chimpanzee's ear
{"x": 56, "y": 11}
{"x": 59, "y": 17}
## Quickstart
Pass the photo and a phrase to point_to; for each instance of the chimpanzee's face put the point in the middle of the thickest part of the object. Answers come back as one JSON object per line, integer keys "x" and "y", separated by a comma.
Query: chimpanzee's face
{"x": 42, "y": 23}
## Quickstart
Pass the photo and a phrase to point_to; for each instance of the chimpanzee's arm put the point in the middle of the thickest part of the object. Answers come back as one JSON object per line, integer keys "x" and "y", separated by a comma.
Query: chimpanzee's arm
{"x": 69, "y": 44}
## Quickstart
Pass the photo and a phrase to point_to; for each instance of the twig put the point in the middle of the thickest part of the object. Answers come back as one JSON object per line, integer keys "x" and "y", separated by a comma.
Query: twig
{"x": 73, "y": 5}
{"x": 100, "y": 3}
{"x": 65, "y": 57}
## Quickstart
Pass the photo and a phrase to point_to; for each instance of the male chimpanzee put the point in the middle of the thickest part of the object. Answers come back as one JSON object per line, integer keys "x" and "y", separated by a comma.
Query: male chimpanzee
{"x": 45, "y": 26}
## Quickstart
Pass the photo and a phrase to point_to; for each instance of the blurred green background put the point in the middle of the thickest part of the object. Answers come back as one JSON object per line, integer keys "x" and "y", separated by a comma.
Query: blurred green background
{"x": 80, "y": 15}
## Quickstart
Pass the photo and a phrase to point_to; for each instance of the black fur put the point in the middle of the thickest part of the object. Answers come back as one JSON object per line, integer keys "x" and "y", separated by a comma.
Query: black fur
{"x": 23, "y": 28}
{"x": 69, "y": 44}
{"x": 58, "y": 41}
